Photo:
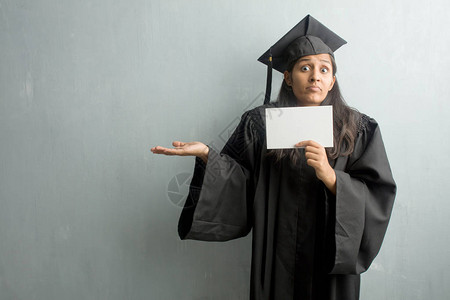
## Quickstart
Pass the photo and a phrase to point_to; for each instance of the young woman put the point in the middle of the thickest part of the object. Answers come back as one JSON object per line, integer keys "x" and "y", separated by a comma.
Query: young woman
{"x": 318, "y": 216}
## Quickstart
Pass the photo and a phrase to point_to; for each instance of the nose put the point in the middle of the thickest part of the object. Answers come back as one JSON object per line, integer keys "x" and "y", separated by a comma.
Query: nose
{"x": 314, "y": 75}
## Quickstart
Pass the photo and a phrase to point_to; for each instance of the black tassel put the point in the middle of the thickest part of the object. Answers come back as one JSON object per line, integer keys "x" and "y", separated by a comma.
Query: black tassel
{"x": 269, "y": 79}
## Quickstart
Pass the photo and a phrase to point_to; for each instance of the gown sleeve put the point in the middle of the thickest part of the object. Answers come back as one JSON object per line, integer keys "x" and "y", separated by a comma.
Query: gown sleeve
{"x": 365, "y": 193}
{"x": 219, "y": 204}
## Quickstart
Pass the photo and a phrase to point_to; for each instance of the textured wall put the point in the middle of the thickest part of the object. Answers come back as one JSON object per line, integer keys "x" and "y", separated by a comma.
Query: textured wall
{"x": 87, "y": 87}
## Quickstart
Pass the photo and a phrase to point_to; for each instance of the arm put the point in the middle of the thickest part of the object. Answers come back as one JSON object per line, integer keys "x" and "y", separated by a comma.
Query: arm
{"x": 317, "y": 158}
{"x": 220, "y": 200}
{"x": 184, "y": 149}
{"x": 365, "y": 192}
{"x": 360, "y": 196}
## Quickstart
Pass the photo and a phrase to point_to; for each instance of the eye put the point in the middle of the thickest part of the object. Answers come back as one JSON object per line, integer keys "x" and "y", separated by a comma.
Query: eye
{"x": 304, "y": 68}
{"x": 324, "y": 70}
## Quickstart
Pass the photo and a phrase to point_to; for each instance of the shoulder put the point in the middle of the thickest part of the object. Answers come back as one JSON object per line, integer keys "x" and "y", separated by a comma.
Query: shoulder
{"x": 367, "y": 131}
{"x": 365, "y": 124}
{"x": 258, "y": 114}
{"x": 255, "y": 117}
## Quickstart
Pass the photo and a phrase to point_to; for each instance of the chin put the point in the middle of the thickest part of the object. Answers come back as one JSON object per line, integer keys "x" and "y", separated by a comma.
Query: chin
{"x": 310, "y": 99}
{"x": 310, "y": 103}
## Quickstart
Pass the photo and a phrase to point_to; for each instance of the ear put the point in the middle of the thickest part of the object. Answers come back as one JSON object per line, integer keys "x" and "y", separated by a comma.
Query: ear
{"x": 287, "y": 78}
{"x": 332, "y": 83}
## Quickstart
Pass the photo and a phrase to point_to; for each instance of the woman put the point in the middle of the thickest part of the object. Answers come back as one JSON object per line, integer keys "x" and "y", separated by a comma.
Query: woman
{"x": 318, "y": 216}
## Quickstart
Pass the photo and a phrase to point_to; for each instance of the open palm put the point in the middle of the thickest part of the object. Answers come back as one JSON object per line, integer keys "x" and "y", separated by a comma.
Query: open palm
{"x": 184, "y": 149}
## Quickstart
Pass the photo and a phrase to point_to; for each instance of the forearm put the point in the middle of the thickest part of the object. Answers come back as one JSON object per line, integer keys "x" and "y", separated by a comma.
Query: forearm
{"x": 204, "y": 154}
{"x": 330, "y": 181}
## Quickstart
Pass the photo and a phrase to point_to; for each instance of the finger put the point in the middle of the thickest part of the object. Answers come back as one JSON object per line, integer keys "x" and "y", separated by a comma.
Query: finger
{"x": 166, "y": 151}
{"x": 156, "y": 149}
{"x": 302, "y": 144}
{"x": 311, "y": 162}
{"x": 313, "y": 149}
{"x": 308, "y": 143}
{"x": 178, "y": 144}
{"x": 311, "y": 155}
{"x": 172, "y": 152}
{"x": 314, "y": 144}
{"x": 317, "y": 165}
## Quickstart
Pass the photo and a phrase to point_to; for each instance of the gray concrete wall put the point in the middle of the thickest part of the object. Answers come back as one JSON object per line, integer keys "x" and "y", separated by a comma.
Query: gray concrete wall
{"x": 87, "y": 87}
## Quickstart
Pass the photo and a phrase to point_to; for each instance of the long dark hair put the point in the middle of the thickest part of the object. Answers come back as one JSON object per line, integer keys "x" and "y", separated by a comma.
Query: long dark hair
{"x": 344, "y": 120}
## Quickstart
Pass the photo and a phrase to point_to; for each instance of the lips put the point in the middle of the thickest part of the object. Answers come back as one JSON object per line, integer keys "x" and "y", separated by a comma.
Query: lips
{"x": 314, "y": 88}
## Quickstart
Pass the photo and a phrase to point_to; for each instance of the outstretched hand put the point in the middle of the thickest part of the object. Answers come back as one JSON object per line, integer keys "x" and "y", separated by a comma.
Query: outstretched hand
{"x": 317, "y": 158}
{"x": 184, "y": 149}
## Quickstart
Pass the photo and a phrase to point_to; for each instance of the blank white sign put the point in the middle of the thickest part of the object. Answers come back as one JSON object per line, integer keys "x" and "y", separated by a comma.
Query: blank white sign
{"x": 286, "y": 126}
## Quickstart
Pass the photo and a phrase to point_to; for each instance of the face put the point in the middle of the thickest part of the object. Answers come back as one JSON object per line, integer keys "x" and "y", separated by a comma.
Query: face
{"x": 311, "y": 79}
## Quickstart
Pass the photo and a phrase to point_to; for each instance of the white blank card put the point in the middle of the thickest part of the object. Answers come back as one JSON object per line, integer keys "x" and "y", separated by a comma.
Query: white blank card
{"x": 286, "y": 126}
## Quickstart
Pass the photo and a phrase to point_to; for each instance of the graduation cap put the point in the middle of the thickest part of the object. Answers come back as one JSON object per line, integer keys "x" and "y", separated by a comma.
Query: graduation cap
{"x": 308, "y": 37}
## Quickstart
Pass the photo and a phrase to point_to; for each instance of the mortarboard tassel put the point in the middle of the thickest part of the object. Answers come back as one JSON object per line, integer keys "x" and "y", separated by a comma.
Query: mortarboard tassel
{"x": 269, "y": 79}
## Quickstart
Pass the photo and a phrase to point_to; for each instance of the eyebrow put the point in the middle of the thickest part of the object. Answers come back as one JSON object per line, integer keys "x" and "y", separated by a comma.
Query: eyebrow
{"x": 322, "y": 60}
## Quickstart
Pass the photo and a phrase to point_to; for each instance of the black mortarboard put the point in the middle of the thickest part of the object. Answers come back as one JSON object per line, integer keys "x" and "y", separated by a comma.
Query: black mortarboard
{"x": 308, "y": 37}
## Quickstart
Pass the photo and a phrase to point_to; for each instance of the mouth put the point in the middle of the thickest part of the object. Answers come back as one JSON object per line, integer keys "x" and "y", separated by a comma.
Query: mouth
{"x": 314, "y": 88}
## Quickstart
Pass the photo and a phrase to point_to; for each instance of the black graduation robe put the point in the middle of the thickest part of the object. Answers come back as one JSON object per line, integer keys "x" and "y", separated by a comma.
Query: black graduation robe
{"x": 306, "y": 242}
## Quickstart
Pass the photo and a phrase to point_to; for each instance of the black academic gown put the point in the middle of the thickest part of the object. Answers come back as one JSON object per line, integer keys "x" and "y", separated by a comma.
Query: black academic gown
{"x": 306, "y": 242}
